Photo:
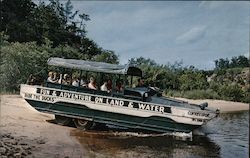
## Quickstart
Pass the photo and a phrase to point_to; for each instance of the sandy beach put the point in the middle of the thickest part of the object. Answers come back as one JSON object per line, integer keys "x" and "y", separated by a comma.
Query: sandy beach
{"x": 26, "y": 132}
{"x": 222, "y": 105}
{"x": 21, "y": 123}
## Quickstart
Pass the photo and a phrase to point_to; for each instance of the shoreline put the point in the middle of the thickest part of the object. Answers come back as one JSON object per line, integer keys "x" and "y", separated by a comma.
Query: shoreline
{"x": 223, "y": 105}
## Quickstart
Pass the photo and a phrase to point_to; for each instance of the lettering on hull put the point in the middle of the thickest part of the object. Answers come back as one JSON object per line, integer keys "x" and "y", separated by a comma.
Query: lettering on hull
{"x": 198, "y": 114}
{"x": 49, "y": 95}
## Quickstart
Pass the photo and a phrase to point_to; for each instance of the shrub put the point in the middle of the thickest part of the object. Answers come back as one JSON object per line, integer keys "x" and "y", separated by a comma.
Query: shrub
{"x": 19, "y": 60}
{"x": 201, "y": 94}
{"x": 172, "y": 93}
{"x": 246, "y": 95}
{"x": 231, "y": 92}
{"x": 214, "y": 85}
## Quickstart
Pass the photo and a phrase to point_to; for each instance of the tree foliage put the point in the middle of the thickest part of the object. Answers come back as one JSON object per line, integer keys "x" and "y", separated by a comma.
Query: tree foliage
{"x": 231, "y": 92}
{"x": 24, "y": 21}
{"x": 107, "y": 56}
{"x": 19, "y": 60}
{"x": 190, "y": 82}
{"x": 192, "y": 79}
{"x": 237, "y": 61}
{"x": 157, "y": 75}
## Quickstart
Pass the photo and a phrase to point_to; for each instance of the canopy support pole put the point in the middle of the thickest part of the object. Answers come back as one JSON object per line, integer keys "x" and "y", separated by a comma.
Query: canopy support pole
{"x": 131, "y": 80}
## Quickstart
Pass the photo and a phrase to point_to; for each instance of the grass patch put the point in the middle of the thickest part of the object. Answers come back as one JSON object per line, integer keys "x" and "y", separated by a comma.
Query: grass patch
{"x": 201, "y": 94}
{"x": 194, "y": 94}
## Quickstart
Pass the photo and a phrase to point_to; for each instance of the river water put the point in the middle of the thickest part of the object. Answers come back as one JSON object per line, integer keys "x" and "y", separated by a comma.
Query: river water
{"x": 226, "y": 136}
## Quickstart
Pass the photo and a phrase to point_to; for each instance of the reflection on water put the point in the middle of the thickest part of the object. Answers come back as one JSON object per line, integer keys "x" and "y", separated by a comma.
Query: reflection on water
{"x": 231, "y": 133}
{"x": 122, "y": 144}
{"x": 226, "y": 136}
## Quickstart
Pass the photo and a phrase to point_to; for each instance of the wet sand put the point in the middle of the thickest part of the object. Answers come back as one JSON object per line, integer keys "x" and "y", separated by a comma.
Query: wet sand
{"x": 21, "y": 123}
{"x": 29, "y": 133}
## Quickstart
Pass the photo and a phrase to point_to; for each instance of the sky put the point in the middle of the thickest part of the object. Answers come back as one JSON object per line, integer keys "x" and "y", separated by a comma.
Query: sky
{"x": 194, "y": 32}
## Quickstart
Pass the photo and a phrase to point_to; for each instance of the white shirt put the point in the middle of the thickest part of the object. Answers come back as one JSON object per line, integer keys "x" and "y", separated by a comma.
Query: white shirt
{"x": 91, "y": 86}
{"x": 50, "y": 79}
{"x": 75, "y": 83}
{"x": 104, "y": 87}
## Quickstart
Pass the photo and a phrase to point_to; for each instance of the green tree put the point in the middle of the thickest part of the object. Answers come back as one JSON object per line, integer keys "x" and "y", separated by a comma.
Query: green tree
{"x": 192, "y": 79}
{"x": 156, "y": 75}
{"x": 234, "y": 62}
{"x": 107, "y": 56}
{"x": 68, "y": 11}
{"x": 19, "y": 61}
{"x": 243, "y": 61}
{"x": 237, "y": 61}
{"x": 15, "y": 19}
{"x": 222, "y": 63}
{"x": 24, "y": 21}
{"x": 231, "y": 92}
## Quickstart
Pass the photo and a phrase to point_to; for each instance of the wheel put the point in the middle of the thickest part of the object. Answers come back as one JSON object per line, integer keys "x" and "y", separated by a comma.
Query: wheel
{"x": 83, "y": 124}
{"x": 62, "y": 120}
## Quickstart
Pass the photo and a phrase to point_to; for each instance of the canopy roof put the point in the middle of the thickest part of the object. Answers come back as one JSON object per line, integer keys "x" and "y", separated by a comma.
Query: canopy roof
{"x": 95, "y": 66}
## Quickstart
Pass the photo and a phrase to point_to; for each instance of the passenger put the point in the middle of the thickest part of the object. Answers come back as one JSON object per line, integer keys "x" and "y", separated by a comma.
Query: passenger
{"x": 55, "y": 76}
{"x": 66, "y": 79}
{"x": 31, "y": 80}
{"x": 75, "y": 82}
{"x": 140, "y": 83}
{"x": 51, "y": 77}
{"x": 119, "y": 86}
{"x": 104, "y": 87}
{"x": 92, "y": 83}
{"x": 109, "y": 85}
{"x": 83, "y": 82}
{"x": 60, "y": 79}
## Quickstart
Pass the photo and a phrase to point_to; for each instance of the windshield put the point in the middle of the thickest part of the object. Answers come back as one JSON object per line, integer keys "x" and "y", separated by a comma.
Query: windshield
{"x": 172, "y": 102}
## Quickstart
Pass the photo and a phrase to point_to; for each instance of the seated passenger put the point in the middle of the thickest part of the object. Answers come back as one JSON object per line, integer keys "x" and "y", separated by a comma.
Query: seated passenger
{"x": 92, "y": 83}
{"x": 51, "y": 77}
{"x": 140, "y": 83}
{"x": 83, "y": 82}
{"x": 104, "y": 87}
{"x": 55, "y": 76}
{"x": 119, "y": 86}
{"x": 60, "y": 79}
{"x": 109, "y": 85}
{"x": 66, "y": 79}
{"x": 75, "y": 82}
{"x": 30, "y": 80}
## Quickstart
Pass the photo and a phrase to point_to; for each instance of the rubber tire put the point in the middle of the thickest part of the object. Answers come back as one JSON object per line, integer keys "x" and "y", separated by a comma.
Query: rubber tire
{"x": 62, "y": 120}
{"x": 83, "y": 124}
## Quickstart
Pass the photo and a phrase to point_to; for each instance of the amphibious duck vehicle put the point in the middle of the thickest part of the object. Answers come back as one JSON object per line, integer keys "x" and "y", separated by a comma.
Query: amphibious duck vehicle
{"x": 142, "y": 108}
